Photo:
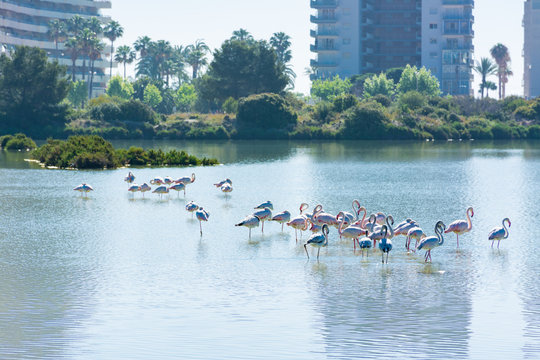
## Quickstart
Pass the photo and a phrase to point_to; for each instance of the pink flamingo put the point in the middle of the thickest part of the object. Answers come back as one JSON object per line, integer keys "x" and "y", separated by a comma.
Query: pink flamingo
{"x": 282, "y": 218}
{"x": 382, "y": 233}
{"x": 84, "y": 188}
{"x": 414, "y": 233}
{"x": 429, "y": 243}
{"x": 223, "y": 182}
{"x": 157, "y": 181}
{"x": 263, "y": 215}
{"x": 350, "y": 218}
{"x": 318, "y": 240}
{"x": 320, "y": 218}
{"x": 133, "y": 188}
{"x": 298, "y": 223}
{"x": 351, "y": 232}
{"x": 460, "y": 227}
{"x": 186, "y": 180}
{"x": 251, "y": 221}
{"x": 226, "y": 188}
{"x": 404, "y": 227}
{"x": 178, "y": 188}
{"x": 129, "y": 178}
{"x": 144, "y": 188}
{"x": 202, "y": 215}
{"x": 499, "y": 233}
{"x": 192, "y": 207}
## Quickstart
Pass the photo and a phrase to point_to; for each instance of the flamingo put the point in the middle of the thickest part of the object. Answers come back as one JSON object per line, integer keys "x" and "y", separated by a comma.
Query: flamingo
{"x": 192, "y": 207}
{"x": 263, "y": 215}
{"x": 381, "y": 233}
{"x": 460, "y": 227}
{"x": 404, "y": 227}
{"x": 202, "y": 215}
{"x": 386, "y": 244}
{"x": 351, "y": 232}
{"x": 161, "y": 190}
{"x": 350, "y": 218}
{"x": 157, "y": 181}
{"x": 144, "y": 188}
{"x": 168, "y": 180}
{"x": 364, "y": 243}
{"x": 499, "y": 233}
{"x": 371, "y": 224}
{"x": 298, "y": 223}
{"x": 251, "y": 221}
{"x": 320, "y": 218}
{"x": 414, "y": 233}
{"x": 315, "y": 228}
{"x": 226, "y": 188}
{"x": 178, "y": 188}
{"x": 429, "y": 243}
{"x": 282, "y": 218}
{"x": 223, "y": 182}
{"x": 318, "y": 240}
{"x": 380, "y": 218}
{"x": 186, "y": 180}
{"x": 267, "y": 204}
{"x": 133, "y": 188}
{"x": 84, "y": 188}
{"x": 129, "y": 178}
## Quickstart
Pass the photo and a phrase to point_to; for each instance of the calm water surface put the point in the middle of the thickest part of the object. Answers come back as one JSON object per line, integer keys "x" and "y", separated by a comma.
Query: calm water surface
{"x": 112, "y": 277}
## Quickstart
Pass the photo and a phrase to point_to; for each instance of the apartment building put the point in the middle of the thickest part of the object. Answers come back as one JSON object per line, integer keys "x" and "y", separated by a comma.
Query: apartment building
{"x": 25, "y": 22}
{"x": 531, "y": 49}
{"x": 370, "y": 36}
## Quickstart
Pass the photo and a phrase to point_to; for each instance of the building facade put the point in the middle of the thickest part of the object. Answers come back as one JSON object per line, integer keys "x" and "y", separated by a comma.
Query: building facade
{"x": 25, "y": 22}
{"x": 370, "y": 36}
{"x": 531, "y": 49}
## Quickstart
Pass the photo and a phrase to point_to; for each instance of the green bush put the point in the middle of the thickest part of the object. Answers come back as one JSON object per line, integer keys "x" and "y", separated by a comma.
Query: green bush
{"x": 109, "y": 112}
{"x": 265, "y": 111}
{"x": 365, "y": 121}
{"x": 481, "y": 133}
{"x": 502, "y": 131}
{"x": 382, "y": 99}
{"x": 344, "y": 102}
{"x": 525, "y": 112}
{"x": 135, "y": 110}
{"x": 534, "y": 132}
{"x": 321, "y": 112}
{"x": 230, "y": 106}
{"x": 412, "y": 100}
{"x": 17, "y": 142}
{"x": 4, "y": 140}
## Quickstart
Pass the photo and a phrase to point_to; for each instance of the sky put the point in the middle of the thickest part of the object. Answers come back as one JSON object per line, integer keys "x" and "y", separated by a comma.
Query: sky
{"x": 183, "y": 22}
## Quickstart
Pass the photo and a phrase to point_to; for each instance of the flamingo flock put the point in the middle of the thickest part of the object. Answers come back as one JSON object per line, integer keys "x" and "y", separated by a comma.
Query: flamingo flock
{"x": 374, "y": 232}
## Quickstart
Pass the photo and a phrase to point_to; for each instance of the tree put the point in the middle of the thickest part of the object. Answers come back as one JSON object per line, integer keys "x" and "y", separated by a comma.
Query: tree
{"x": 113, "y": 31}
{"x": 95, "y": 47}
{"x": 485, "y": 68}
{"x": 152, "y": 96}
{"x": 240, "y": 69}
{"x": 76, "y": 24}
{"x": 506, "y": 74}
{"x": 74, "y": 50}
{"x": 77, "y": 94}
{"x": 365, "y": 121}
{"x": 378, "y": 84}
{"x": 124, "y": 55}
{"x": 500, "y": 53}
{"x": 141, "y": 45}
{"x": 266, "y": 111}
{"x": 31, "y": 90}
{"x": 120, "y": 88}
{"x": 57, "y": 30}
{"x": 195, "y": 56}
{"x": 490, "y": 85}
{"x": 327, "y": 90}
{"x": 85, "y": 38}
{"x": 421, "y": 80}
{"x": 242, "y": 35}
{"x": 186, "y": 96}
{"x": 281, "y": 43}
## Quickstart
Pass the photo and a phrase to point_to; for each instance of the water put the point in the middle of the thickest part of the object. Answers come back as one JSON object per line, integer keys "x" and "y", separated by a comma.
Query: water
{"x": 112, "y": 277}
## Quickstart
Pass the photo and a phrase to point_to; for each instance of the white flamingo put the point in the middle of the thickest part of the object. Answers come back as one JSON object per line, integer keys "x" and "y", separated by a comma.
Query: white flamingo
{"x": 460, "y": 227}
{"x": 430, "y": 243}
{"x": 144, "y": 188}
{"x": 186, "y": 180}
{"x": 251, "y": 221}
{"x": 318, "y": 240}
{"x": 129, "y": 178}
{"x": 178, "y": 188}
{"x": 282, "y": 218}
{"x": 133, "y": 188}
{"x": 83, "y": 188}
{"x": 161, "y": 190}
{"x": 202, "y": 215}
{"x": 223, "y": 182}
{"x": 499, "y": 233}
{"x": 263, "y": 215}
{"x": 192, "y": 207}
{"x": 267, "y": 204}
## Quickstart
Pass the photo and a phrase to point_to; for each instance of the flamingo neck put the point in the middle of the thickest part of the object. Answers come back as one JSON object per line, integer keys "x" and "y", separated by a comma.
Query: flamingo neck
{"x": 363, "y": 217}
{"x": 389, "y": 227}
{"x": 469, "y": 221}
{"x": 506, "y": 232}
{"x": 439, "y": 233}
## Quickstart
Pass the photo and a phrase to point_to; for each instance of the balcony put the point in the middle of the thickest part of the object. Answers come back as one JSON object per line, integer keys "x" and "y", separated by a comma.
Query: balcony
{"x": 318, "y": 48}
{"x": 323, "y": 4}
{"x": 458, "y": 2}
{"x": 322, "y": 64}
{"x": 324, "y": 32}
{"x": 321, "y": 19}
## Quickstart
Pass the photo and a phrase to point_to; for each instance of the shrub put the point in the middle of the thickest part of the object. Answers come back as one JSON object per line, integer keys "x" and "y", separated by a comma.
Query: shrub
{"x": 525, "y": 112}
{"x": 135, "y": 110}
{"x": 502, "y": 131}
{"x": 230, "y": 106}
{"x": 412, "y": 100}
{"x": 4, "y": 140}
{"x": 107, "y": 112}
{"x": 17, "y": 142}
{"x": 344, "y": 102}
{"x": 266, "y": 111}
{"x": 382, "y": 99}
{"x": 322, "y": 111}
{"x": 534, "y": 132}
{"x": 480, "y": 133}
{"x": 365, "y": 121}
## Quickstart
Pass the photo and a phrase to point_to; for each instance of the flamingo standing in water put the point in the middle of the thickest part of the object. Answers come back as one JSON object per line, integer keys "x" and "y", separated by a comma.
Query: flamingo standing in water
{"x": 157, "y": 181}
{"x": 364, "y": 243}
{"x": 298, "y": 223}
{"x": 129, "y": 178}
{"x": 404, "y": 227}
{"x": 429, "y": 243}
{"x": 267, "y": 204}
{"x": 386, "y": 244}
{"x": 350, "y": 218}
{"x": 178, "y": 188}
{"x": 84, "y": 188}
{"x": 226, "y": 188}
{"x": 380, "y": 218}
{"x": 318, "y": 240}
{"x": 186, "y": 180}
{"x": 161, "y": 190}
{"x": 414, "y": 233}
{"x": 499, "y": 233}
{"x": 223, "y": 182}
{"x": 133, "y": 188}
{"x": 251, "y": 221}
{"x": 351, "y": 232}
{"x": 144, "y": 188}
{"x": 263, "y": 215}
{"x": 320, "y": 218}
{"x": 282, "y": 218}
{"x": 192, "y": 207}
{"x": 460, "y": 227}
{"x": 202, "y": 215}
{"x": 381, "y": 233}
{"x": 168, "y": 180}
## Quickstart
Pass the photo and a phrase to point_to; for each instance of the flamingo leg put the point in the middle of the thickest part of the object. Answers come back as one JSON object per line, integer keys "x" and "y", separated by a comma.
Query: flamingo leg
{"x": 318, "y": 252}
{"x": 354, "y": 243}
{"x": 249, "y": 233}
{"x": 498, "y": 243}
{"x": 296, "y": 234}
{"x": 305, "y": 248}
{"x": 263, "y": 227}
{"x": 388, "y": 253}
{"x": 457, "y": 235}
{"x": 282, "y": 227}
{"x": 493, "y": 242}
{"x": 200, "y": 226}
{"x": 382, "y": 258}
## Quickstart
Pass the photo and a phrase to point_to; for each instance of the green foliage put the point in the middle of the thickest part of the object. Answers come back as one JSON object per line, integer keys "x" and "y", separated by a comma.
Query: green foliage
{"x": 322, "y": 111}
{"x": 344, "y": 102}
{"x": 379, "y": 85}
{"x": 107, "y": 112}
{"x": 186, "y": 96}
{"x": 78, "y": 93}
{"x": 365, "y": 121}
{"x": 412, "y": 100}
{"x": 394, "y": 74}
{"x": 230, "y": 106}
{"x": 120, "y": 88}
{"x": 265, "y": 111}
{"x": 31, "y": 91}
{"x": 240, "y": 69}
{"x": 534, "y": 132}
{"x": 135, "y": 110}
{"x": 525, "y": 112}
{"x": 17, "y": 142}
{"x": 420, "y": 80}
{"x": 382, "y": 99}
{"x": 152, "y": 96}
{"x": 327, "y": 90}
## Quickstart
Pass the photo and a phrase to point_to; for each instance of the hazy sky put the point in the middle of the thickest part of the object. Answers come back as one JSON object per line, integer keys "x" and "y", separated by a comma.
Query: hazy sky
{"x": 183, "y": 22}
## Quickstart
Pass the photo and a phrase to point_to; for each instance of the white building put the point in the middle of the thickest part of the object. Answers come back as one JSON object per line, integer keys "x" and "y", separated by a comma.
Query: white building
{"x": 25, "y": 22}
{"x": 531, "y": 49}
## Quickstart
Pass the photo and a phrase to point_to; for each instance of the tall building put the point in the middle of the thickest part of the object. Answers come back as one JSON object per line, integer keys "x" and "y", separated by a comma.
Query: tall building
{"x": 531, "y": 49}
{"x": 370, "y": 36}
{"x": 25, "y": 22}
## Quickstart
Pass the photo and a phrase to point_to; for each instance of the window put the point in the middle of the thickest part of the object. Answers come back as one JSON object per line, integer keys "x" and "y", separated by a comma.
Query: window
{"x": 346, "y": 55}
{"x": 346, "y": 11}
{"x": 433, "y": 11}
{"x": 346, "y": 41}
{"x": 433, "y": 26}
{"x": 432, "y": 41}
{"x": 433, "y": 55}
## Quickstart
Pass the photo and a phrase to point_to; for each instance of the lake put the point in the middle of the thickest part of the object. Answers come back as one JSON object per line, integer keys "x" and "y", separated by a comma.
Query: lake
{"x": 121, "y": 277}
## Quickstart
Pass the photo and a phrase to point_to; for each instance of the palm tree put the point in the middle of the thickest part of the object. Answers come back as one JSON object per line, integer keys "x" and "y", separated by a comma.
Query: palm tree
{"x": 73, "y": 49}
{"x": 242, "y": 35}
{"x": 113, "y": 31}
{"x": 506, "y": 74}
{"x": 94, "y": 24}
{"x": 57, "y": 29}
{"x": 196, "y": 56}
{"x": 499, "y": 52}
{"x": 85, "y": 38}
{"x": 76, "y": 24}
{"x": 141, "y": 45}
{"x": 490, "y": 85}
{"x": 95, "y": 47}
{"x": 125, "y": 55}
{"x": 485, "y": 68}
{"x": 281, "y": 43}
{"x": 179, "y": 58}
